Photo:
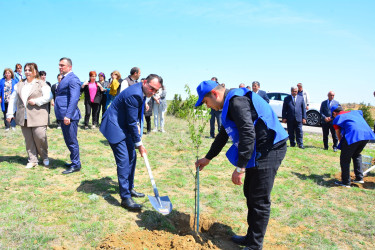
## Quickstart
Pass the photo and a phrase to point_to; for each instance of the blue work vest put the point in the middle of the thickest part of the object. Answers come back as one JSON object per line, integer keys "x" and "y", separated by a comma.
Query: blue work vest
{"x": 354, "y": 127}
{"x": 265, "y": 113}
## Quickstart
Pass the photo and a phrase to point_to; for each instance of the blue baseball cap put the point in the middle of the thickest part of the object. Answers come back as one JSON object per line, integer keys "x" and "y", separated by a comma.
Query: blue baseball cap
{"x": 203, "y": 88}
{"x": 333, "y": 108}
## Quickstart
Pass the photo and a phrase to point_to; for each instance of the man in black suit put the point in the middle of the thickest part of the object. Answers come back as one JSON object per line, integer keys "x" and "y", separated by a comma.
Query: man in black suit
{"x": 294, "y": 114}
{"x": 325, "y": 112}
{"x": 261, "y": 93}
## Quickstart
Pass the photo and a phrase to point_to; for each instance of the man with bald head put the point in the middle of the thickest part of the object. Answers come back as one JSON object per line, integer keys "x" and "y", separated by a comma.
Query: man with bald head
{"x": 326, "y": 120}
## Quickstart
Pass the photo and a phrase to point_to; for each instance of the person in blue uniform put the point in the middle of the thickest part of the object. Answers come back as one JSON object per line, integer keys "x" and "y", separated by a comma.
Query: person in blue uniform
{"x": 121, "y": 127}
{"x": 353, "y": 133}
{"x": 259, "y": 146}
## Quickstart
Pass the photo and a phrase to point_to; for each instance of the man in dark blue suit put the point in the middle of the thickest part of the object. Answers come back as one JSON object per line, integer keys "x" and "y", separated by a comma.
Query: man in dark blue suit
{"x": 256, "y": 89}
{"x": 67, "y": 112}
{"x": 121, "y": 127}
{"x": 325, "y": 112}
{"x": 294, "y": 114}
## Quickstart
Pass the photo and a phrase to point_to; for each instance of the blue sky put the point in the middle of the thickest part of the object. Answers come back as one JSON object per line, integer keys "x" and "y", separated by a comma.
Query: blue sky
{"x": 326, "y": 45}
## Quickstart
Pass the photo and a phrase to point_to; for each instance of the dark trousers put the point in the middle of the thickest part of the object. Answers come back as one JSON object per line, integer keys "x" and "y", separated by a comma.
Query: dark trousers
{"x": 215, "y": 115}
{"x": 71, "y": 141}
{"x": 6, "y": 123}
{"x": 103, "y": 104}
{"x": 95, "y": 113}
{"x": 295, "y": 132}
{"x": 148, "y": 121}
{"x": 327, "y": 127}
{"x": 126, "y": 159}
{"x": 257, "y": 189}
{"x": 349, "y": 152}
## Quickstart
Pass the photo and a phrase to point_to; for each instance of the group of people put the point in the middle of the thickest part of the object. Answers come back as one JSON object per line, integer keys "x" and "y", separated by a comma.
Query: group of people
{"x": 259, "y": 143}
{"x": 26, "y": 100}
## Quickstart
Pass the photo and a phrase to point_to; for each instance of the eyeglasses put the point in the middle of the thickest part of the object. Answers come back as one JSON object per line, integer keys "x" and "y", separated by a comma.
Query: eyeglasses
{"x": 151, "y": 88}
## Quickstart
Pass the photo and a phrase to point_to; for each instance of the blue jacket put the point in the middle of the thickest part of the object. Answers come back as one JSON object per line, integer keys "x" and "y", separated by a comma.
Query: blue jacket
{"x": 293, "y": 111}
{"x": 2, "y": 85}
{"x": 123, "y": 115}
{"x": 264, "y": 95}
{"x": 353, "y": 127}
{"x": 265, "y": 113}
{"x": 325, "y": 110}
{"x": 67, "y": 97}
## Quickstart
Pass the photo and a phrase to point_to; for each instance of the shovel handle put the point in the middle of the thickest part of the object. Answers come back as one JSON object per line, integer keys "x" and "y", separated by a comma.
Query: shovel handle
{"x": 151, "y": 176}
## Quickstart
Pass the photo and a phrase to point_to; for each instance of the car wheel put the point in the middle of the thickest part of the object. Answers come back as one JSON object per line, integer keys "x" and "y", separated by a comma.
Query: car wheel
{"x": 313, "y": 118}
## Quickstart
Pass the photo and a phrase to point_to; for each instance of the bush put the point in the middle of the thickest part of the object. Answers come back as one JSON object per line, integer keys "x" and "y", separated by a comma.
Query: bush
{"x": 366, "y": 109}
{"x": 174, "y": 106}
{"x": 181, "y": 108}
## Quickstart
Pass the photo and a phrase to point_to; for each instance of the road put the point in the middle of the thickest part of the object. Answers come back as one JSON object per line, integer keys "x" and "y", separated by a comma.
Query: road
{"x": 308, "y": 129}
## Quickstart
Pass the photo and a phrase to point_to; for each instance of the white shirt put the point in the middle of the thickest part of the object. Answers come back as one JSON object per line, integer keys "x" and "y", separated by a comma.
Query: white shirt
{"x": 45, "y": 98}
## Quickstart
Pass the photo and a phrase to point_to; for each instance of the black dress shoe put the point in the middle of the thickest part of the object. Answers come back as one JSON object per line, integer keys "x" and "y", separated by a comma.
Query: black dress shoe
{"x": 129, "y": 204}
{"x": 68, "y": 165}
{"x": 301, "y": 147}
{"x": 240, "y": 240}
{"x": 72, "y": 170}
{"x": 334, "y": 149}
{"x": 136, "y": 194}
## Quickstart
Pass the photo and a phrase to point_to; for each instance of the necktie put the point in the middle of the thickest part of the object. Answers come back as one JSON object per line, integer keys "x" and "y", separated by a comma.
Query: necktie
{"x": 143, "y": 111}
{"x": 294, "y": 100}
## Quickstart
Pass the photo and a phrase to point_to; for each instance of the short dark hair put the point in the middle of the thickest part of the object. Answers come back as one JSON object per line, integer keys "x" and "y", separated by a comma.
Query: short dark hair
{"x": 58, "y": 75}
{"x": 214, "y": 79}
{"x": 150, "y": 77}
{"x": 256, "y": 82}
{"x": 338, "y": 109}
{"x": 42, "y": 73}
{"x": 134, "y": 70}
{"x": 68, "y": 60}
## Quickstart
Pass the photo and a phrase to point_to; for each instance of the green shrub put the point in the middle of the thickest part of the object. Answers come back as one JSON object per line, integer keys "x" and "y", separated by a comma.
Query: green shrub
{"x": 175, "y": 105}
{"x": 366, "y": 109}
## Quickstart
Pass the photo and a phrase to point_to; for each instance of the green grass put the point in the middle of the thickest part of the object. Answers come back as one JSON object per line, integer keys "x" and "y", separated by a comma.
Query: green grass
{"x": 40, "y": 208}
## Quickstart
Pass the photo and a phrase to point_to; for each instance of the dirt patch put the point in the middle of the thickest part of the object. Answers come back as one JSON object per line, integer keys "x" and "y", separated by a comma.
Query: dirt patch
{"x": 179, "y": 235}
{"x": 369, "y": 181}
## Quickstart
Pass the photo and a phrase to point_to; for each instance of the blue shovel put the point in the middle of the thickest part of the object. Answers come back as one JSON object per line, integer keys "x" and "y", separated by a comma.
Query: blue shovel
{"x": 161, "y": 204}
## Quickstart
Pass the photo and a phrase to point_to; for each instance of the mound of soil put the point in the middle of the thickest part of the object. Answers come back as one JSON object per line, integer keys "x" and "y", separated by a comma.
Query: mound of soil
{"x": 369, "y": 180}
{"x": 212, "y": 235}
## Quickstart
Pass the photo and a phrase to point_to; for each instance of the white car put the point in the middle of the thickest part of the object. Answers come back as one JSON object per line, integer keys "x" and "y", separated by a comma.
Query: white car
{"x": 277, "y": 100}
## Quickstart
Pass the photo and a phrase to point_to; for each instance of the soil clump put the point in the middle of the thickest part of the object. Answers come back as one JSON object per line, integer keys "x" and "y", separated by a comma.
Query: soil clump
{"x": 174, "y": 231}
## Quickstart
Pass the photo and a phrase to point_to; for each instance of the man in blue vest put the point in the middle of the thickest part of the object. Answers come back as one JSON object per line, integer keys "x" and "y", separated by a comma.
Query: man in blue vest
{"x": 353, "y": 133}
{"x": 121, "y": 127}
{"x": 259, "y": 146}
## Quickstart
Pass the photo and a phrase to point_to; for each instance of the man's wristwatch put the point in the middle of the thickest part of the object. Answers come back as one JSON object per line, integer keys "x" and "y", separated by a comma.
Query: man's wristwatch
{"x": 240, "y": 170}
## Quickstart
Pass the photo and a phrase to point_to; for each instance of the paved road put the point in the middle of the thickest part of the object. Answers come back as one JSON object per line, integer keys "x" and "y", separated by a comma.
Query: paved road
{"x": 308, "y": 129}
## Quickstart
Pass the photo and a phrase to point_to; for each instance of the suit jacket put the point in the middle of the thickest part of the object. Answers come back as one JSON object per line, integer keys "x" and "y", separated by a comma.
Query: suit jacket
{"x": 122, "y": 117}
{"x": 264, "y": 95}
{"x": 325, "y": 110}
{"x": 67, "y": 97}
{"x": 53, "y": 90}
{"x": 293, "y": 111}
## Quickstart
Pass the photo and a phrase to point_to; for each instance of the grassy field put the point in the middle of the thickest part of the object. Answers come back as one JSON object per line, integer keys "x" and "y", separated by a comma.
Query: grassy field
{"x": 40, "y": 208}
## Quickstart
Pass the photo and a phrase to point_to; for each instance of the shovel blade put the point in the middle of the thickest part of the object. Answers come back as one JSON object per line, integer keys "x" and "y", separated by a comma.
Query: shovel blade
{"x": 164, "y": 206}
